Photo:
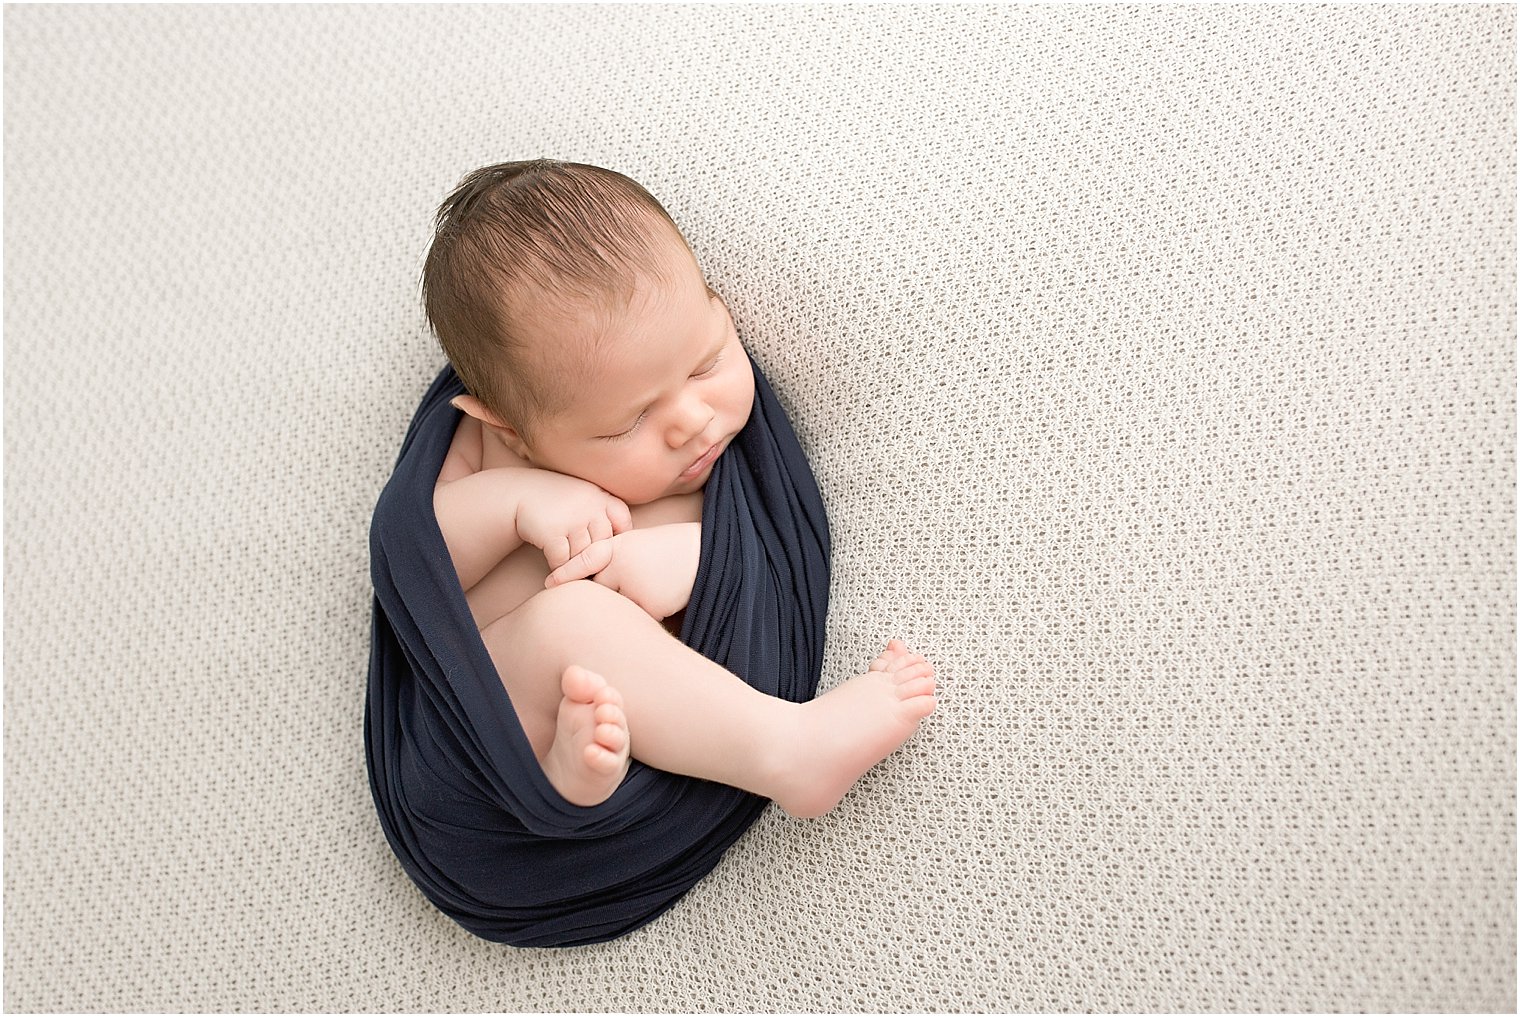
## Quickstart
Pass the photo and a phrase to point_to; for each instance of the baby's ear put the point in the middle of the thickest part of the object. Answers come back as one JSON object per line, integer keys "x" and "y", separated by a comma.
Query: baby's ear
{"x": 473, "y": 407}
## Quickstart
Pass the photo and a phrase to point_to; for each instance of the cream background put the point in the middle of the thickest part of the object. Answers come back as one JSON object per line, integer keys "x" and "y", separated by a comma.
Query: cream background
{"x": 1157, "y": 366}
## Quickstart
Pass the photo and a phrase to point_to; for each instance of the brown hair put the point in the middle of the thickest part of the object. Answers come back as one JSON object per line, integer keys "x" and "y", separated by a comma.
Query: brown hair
{"x": 520, "y": 237}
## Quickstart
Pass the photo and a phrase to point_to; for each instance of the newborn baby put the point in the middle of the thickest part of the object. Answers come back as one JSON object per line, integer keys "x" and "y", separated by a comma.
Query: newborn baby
{"x": 605, "y": 378}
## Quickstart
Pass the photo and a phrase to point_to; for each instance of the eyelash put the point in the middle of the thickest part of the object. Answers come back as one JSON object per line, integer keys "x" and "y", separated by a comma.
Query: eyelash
{"x": 711, "y": 370}
{"x": 623, "y": 435}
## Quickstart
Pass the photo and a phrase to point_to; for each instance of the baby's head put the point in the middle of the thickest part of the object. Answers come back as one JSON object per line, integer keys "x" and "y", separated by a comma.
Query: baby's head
{"x": 580, "y": 324}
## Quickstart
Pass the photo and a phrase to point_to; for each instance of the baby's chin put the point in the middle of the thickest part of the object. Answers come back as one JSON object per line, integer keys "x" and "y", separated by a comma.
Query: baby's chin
{"x": 632, "y": 499}
{"x": 676, "y": 488}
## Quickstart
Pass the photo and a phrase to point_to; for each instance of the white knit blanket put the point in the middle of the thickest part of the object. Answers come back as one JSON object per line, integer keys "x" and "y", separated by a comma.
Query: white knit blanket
{"x": 1157, "y": 366}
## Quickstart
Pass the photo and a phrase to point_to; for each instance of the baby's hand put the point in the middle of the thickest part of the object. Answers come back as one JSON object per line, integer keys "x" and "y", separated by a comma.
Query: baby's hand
{"x": 653, "y": 567}
{"x": 562, "y": 516}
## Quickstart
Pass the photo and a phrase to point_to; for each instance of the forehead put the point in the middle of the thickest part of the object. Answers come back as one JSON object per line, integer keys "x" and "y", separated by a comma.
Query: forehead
{"x": 600, "y": 351}
{"x": 589, "y": 303}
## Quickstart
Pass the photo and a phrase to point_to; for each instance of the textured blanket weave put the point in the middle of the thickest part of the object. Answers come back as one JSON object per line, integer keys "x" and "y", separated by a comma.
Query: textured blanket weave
{"x": 461, "y": 797}
{"x": 1156, "y": 364}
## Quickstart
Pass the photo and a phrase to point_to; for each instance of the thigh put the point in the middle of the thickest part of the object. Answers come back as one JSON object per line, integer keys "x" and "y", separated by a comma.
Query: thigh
{"x": 524, "y": 647}
{"x": 686, "y": 714}
{"x": 576, "y": 623}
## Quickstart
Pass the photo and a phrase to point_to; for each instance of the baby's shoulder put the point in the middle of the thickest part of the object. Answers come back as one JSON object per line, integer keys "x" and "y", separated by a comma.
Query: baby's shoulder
{"x": 466, "y": 452}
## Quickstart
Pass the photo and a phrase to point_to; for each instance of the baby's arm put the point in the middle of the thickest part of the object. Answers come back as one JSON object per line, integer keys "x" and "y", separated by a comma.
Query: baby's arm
{"x": 654, "y": 567}
{"x": 489, "y": 514}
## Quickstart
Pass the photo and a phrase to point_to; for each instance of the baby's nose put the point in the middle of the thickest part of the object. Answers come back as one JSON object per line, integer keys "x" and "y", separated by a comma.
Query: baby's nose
{"x": 691, "y": 419}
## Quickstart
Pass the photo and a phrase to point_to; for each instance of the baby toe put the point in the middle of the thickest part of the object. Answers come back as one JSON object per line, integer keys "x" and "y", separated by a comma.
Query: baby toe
{"x": 612, "y": 737}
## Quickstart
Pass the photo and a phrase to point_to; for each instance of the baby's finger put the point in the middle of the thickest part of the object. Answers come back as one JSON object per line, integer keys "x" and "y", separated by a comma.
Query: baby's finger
{"x": 579, "y": 541}
{"x": 619, "y": 516}
{"x": 600, "y": 528}
{"x": 588, "y": 563}
{"x": 557, "y": 552}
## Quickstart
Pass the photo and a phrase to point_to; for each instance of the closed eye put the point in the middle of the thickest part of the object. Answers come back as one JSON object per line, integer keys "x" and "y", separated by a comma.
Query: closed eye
{"x": 710, "y": 368}
{"x": 626, "y": 433}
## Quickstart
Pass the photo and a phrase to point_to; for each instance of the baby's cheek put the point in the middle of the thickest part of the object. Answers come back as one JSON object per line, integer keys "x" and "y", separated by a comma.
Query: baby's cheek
{"x": 642, "y": 484}
{"x": 744, "y": 402}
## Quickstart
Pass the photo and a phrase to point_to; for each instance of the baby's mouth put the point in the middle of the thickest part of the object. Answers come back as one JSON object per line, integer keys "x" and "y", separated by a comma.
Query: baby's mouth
{"x": 707, "y": 459}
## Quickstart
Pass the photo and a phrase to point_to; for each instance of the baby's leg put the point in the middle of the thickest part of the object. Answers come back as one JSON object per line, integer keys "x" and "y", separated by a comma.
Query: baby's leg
{"x": 688, "y": 715}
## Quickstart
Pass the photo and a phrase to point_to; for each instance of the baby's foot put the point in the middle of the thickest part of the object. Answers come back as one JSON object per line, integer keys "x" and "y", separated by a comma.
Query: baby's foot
{"x": 850, "y": 729}
{"x": 589, "y": 755}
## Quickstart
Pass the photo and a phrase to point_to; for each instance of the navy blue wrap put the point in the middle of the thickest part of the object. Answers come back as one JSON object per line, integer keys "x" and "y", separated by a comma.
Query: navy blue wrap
{"x": 464, "y": 803}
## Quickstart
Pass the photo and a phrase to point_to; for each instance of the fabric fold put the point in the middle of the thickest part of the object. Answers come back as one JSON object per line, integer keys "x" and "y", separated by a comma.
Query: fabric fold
{"x": 463, "y": 802}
